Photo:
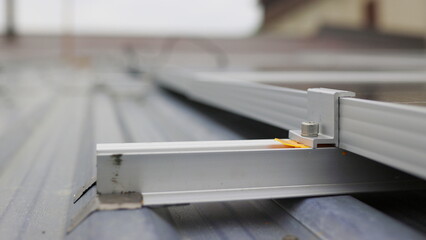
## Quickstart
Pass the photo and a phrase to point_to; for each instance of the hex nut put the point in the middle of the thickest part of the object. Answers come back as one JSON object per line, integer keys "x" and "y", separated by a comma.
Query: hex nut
{"x": 309, "y": 129}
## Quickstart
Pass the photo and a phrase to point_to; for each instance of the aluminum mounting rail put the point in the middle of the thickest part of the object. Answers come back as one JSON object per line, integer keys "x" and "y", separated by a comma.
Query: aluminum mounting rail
{"x": 133, "y": 175}
{"x": 188, "y": 172}
{"x": 393, "y": 134}
{"x": 281, "y": 107}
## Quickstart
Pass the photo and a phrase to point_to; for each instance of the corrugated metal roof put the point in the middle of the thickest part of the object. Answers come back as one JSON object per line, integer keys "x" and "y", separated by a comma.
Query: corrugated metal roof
{"x": 52, "y": 119}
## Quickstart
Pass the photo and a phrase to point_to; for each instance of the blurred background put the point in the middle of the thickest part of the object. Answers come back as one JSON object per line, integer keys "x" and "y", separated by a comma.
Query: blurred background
{"x": 371, "y": 23}
{"x": 238, "y": 18}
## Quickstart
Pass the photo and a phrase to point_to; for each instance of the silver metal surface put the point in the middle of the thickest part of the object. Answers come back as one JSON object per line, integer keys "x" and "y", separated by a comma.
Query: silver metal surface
{"x": 323, "y": 107}
{"x": 173, "y": 173}
{"x": 359, "y": 119}
{"x": 281, "y": 107}
{"x": 392, "y": 134}
{"x": 109, "y": 202}
{"x": 332, "y": 213}
{"x": 310, "y": 79}
{"x": 309, "y": 129}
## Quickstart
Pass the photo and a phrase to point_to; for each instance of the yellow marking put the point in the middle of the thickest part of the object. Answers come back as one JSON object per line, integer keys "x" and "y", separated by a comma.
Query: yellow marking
{"x": 291, "y": 143}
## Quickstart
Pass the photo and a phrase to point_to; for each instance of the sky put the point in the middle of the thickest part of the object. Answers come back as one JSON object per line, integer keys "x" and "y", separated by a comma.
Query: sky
{"x": 221, "y": 18}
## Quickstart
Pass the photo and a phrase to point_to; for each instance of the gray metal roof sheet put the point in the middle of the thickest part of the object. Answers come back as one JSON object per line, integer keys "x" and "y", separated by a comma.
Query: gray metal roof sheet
{"x": 48, "y": 153}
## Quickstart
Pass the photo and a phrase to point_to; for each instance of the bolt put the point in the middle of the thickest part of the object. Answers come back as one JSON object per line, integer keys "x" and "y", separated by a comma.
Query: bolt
{"x": 310, "y": 129}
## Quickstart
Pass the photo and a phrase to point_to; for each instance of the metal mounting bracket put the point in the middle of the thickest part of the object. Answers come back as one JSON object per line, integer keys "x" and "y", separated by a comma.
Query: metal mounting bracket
{"x": 125, "y": 201}
{"x": 323, "y": 108}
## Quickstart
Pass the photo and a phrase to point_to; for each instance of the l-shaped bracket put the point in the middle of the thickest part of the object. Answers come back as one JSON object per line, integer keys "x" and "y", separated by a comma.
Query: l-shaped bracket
{"x": 323, "y": 109}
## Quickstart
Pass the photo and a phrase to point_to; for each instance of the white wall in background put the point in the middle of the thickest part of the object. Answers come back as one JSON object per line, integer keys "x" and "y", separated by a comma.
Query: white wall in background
{"x": 232, "y": 18}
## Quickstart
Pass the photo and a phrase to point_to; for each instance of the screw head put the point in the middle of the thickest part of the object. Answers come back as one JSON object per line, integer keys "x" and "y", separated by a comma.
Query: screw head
{"x": 309, "y": 129}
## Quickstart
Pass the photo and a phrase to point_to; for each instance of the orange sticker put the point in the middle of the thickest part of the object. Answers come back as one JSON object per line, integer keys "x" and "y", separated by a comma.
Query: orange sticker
{"x": 291, "y": 143}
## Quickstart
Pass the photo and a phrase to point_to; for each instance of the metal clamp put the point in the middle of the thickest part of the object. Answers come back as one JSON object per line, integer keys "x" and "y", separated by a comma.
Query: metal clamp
{"x": 322, "y": 126}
